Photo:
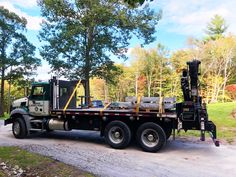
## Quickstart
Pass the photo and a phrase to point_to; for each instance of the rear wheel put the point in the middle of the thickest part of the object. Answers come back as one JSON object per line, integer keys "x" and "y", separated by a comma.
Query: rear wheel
{"x": 19, "y": 129}
{"x": 151, "y": 137}
{"x": 117, "y": 134}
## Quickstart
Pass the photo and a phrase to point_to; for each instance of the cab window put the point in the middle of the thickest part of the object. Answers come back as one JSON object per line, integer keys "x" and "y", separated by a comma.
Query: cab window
{"x": 39, "y": 93}
{"x": 63, "y": 91}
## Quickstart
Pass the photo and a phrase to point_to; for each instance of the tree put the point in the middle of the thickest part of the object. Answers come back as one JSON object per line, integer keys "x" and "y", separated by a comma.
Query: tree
{"x": 81, "y": 35}
{"x": 138, "y": 55}
{"x": 216, "y": 28}
{"x": 217, "y": 54}
{"x": 178, "y": 62}
{"x": 231, "y": 89}
{"x": 16, "y": 52}
{"x": 218, "y": 59}
{"x": 110, "y": 74}
{"x": 152, "y": 64}
{"x": 136, "y": 2}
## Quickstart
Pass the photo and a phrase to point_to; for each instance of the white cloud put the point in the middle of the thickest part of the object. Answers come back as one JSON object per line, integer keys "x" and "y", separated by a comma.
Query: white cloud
{"x": 190, "y": 17}
{"x": 43, "y": 72}
{"x": 33, "y": 21}
{"x": 24, "y": 3}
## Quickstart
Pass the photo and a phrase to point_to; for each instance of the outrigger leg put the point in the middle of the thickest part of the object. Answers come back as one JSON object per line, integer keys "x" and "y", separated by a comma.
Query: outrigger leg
{"x": 211, "y": 128}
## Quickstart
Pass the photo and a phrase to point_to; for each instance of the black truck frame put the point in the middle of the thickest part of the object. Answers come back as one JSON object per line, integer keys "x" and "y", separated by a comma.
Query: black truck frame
{"x": 151, "y": 129}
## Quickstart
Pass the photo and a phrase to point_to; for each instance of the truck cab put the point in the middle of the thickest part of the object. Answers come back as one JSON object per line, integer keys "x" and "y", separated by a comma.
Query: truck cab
{"x": 39, "y": 99}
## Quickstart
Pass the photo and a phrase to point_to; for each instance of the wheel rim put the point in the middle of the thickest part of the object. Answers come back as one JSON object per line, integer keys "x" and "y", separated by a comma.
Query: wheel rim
{"x": 150, "y": 137}
{"x": 16, "y": 128}
{"x": 116, "y": 135}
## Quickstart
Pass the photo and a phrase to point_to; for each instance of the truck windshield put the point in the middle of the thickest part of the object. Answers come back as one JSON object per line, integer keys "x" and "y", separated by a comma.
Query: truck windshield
{"x": 40, "y": 92}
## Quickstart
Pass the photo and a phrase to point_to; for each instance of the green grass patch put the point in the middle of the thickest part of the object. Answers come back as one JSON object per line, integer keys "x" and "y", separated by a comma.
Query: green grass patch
{"x": 37, "y": 165}
{"x": 221, "y": 115}
{"x": 5, "y": 116}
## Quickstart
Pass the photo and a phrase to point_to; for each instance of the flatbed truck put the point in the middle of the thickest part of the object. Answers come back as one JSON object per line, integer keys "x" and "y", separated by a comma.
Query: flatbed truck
{"x": 52, "y": 106}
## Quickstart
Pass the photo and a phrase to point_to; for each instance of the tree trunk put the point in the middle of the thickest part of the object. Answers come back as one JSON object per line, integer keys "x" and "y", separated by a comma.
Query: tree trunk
{"x": 87, "y": 64}
{"x": 160, "y": 93}
{"x": 149, "y": 87}
{"x": 136, "y": 84}
{"x": 87, "y": 91}
{"x": 87, "y": 83}
{"x": 226, "y": 72}
{"x": 207, "y": 94}
{"x": 9, "y": 98}
{"x": 2, "y": 92}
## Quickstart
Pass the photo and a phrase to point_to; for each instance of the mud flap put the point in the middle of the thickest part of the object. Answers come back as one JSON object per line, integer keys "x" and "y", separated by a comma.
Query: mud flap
{"x": 7, "y": 121}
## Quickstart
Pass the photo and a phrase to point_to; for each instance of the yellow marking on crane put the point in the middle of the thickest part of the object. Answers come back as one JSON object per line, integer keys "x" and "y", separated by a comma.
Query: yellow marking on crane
{"x": 73, "y": 93}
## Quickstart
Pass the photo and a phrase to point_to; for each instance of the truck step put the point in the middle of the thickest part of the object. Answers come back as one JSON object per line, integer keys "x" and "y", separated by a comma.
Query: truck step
{"x": 36, "y": 129}
{"x": 36, "y": 121}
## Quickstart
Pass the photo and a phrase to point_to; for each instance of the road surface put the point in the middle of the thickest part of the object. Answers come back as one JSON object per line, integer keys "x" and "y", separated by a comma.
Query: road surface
{"x": 87, "y": 151}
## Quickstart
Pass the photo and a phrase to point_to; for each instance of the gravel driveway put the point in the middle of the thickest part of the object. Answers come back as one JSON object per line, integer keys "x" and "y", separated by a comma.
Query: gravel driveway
{"x": 87, "y": 151}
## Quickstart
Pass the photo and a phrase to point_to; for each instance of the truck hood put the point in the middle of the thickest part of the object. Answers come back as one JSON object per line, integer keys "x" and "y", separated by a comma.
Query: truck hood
{"x": 19, "y": 102}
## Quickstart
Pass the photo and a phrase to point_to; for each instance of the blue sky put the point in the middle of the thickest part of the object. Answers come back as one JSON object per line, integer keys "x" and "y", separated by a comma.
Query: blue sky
{"x": 181, "y": 19}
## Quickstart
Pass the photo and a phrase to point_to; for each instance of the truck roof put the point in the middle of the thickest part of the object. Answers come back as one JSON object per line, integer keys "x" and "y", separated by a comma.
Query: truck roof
{"x": 40, "y": 83}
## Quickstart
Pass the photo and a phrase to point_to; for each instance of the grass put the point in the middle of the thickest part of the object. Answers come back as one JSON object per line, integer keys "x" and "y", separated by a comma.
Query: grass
{"x": 220, "y": 114}
{"x": 5, "y": 116}
{"x": 37, "y": 165}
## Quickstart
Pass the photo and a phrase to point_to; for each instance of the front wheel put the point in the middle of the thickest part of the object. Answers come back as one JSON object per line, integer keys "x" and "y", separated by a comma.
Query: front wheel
{"x": 117, "y": 134}
{"x": 19, "y": 129}
{"x": 151, "y": 137}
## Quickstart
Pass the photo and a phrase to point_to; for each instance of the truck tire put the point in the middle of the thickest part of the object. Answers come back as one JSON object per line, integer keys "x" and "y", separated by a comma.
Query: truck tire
{"x": 151, "y": 137}
{"x": 19, "y": 129}
{"x": 117, "y": 134}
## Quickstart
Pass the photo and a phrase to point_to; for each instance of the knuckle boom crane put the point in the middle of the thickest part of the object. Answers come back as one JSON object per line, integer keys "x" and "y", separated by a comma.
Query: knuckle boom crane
{"x": 192, "y": 112}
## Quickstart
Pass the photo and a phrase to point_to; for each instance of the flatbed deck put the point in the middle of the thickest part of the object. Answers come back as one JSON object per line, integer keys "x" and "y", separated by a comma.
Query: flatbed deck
{"x": 109, "y": 112}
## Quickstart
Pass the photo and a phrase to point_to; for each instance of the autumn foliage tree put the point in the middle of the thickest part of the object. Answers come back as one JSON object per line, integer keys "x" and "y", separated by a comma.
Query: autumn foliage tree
{"x": 231, "y": 89}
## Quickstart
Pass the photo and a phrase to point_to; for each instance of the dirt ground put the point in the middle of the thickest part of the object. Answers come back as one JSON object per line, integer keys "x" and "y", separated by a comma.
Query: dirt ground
{"x": 87, "y": 151}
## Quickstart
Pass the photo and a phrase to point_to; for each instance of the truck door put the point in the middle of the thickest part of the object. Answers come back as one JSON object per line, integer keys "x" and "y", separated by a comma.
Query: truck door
{"x": 39, "y": 100}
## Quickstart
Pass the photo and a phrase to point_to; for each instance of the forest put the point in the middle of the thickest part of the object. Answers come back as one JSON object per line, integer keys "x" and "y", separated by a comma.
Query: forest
{"x": 78, "y": 43}
{"x": 156, "y": 71}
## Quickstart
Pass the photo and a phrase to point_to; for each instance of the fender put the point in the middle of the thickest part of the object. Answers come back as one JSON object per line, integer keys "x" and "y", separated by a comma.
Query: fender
{"x": 25, "y": 115}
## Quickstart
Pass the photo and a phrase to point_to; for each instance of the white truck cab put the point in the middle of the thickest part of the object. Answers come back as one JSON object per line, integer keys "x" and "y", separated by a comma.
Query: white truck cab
{"x": 39, "y": 99}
